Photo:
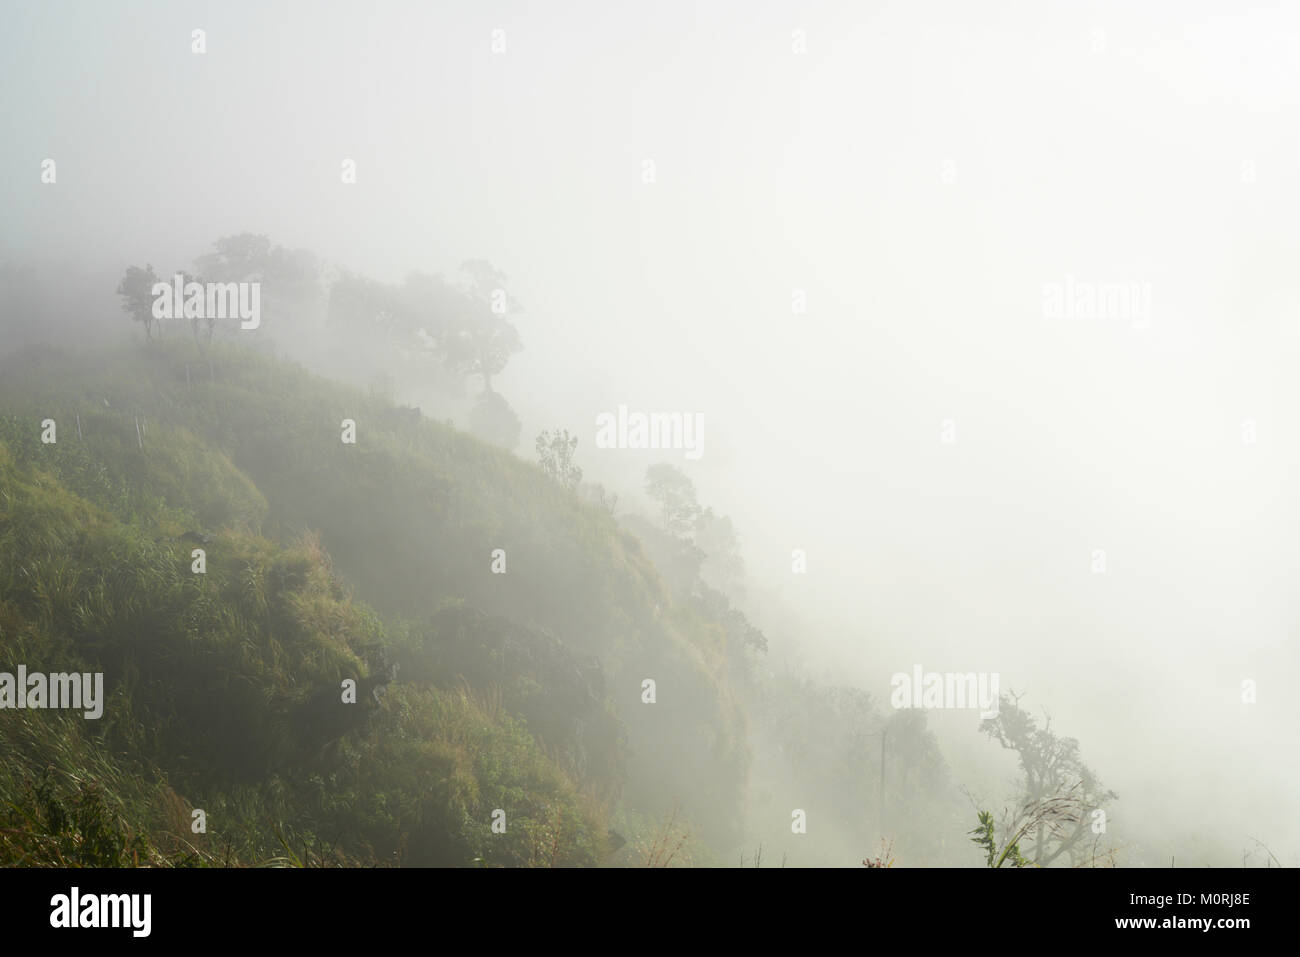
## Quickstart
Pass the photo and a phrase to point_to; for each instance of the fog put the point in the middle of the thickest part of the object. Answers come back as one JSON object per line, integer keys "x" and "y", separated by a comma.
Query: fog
{"x": 834, "y": 231}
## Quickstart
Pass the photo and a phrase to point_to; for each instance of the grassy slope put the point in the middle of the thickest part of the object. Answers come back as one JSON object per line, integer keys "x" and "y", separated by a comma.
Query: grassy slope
{"x": 205, "y": 672}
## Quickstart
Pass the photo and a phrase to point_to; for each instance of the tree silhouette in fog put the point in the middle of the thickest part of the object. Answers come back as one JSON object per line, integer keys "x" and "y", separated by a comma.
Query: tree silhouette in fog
{"x": 136, "y": 290}
{"x": 1058, "y": 792}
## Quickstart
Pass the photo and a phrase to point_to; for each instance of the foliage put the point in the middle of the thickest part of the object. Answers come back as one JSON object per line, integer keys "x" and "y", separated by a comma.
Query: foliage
{"x": 206, "y": 674}
{"x": 667, "y": 845}
{"x": 884, "y": 856}
{"x": 480, "y": 339}
{"x": 716, "y": 538}
{"x": 1058, "y": 790}
{"x": 492, "y": 420}
{"x": 555, "y": 455}
{"x": 984, "y": 837}
{"x": 675, "y": 494}
{"x": 136, "y": 290}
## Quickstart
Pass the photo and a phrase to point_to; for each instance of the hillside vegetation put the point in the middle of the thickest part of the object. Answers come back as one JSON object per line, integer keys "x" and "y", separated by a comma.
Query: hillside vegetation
{"x": 327, "y": 561}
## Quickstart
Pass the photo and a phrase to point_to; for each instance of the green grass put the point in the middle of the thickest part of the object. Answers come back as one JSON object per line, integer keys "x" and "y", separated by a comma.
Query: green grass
{"x": 206, "y": 675}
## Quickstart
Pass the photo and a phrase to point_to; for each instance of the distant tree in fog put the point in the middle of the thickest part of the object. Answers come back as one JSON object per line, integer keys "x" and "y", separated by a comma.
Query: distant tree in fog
{"x": 236, "y": 258}
{"x": 136, "y": 290}
{"x": 209, "y": 322}
{"x": 363, "y": 303}
{"x": 675, "y": 494}
{"x": 289, "y": 278}
{"x": 494, "y": 421}
{"x": 480, "y": 339}
{"x": 1059, "y": 791}
{"x": 716, "y": 537}
{"x": 426, "y": 305}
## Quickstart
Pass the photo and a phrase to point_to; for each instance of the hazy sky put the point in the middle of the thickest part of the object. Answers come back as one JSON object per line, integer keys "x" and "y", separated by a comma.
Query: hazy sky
{"x": 920, "y": 173}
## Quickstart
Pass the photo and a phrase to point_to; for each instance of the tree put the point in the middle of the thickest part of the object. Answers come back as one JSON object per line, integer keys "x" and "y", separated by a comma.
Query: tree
{"x": 1059, "y": 791}
{"x": 481, "y": 339}
{"x": 236, "y": 258}
{"x": 740, "y": 633}
{"x": 915, "y": 763}
{"x": 494, "y": 421}
{"x": 675, "y": 494}
{"x": 289, "y": 278}
{"x": 209, "y": 320}
{"x": 715, "y": 535}
{"x": 428, "y": 307}
{"x": 136, "y": 290}
{"x": 485, "y": 281}
{"x": 366, "y": 303}
{"x": 555, "y": 455}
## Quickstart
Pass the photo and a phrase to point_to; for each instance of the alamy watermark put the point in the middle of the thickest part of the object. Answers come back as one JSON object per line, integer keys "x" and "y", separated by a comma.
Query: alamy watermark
{"x": 79, "y": 691}
{"x": 948, "y": 689}
{"x": 75, "y": 909}
{"x": 179, "y": 299}
{"x": 651, "y": 430}
{"x": 1080, "y": 299}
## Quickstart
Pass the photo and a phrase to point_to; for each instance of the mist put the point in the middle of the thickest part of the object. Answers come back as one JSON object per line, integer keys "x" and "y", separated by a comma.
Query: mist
{"x": 987, "y": 314}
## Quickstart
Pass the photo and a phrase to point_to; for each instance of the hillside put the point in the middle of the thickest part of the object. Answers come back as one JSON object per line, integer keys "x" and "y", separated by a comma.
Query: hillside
{"x": 326, "y": 561}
